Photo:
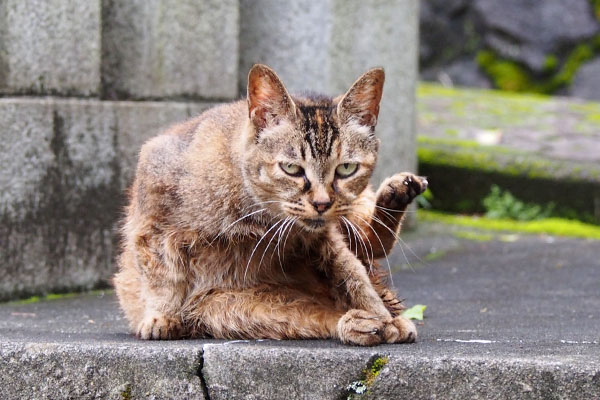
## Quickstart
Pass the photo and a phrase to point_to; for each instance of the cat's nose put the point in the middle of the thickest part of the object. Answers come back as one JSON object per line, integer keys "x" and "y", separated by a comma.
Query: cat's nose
{"x": 322, "y": 206}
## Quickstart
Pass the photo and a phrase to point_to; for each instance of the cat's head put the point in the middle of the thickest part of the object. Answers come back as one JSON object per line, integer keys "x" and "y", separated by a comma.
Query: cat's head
{"x": 310, "y": 157}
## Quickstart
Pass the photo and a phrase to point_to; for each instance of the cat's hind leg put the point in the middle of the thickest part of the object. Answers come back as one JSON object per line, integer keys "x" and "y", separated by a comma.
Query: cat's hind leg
{"x": 269, "y": 312}
{"x": 276, "y": 312}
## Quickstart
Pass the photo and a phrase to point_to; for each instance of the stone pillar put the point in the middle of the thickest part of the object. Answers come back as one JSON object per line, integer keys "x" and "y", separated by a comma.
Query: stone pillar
{"x": 324, "y": 46}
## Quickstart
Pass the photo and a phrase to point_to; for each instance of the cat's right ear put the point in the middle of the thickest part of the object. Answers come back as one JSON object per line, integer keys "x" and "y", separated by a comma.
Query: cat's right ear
{"x": 268, "y": 100}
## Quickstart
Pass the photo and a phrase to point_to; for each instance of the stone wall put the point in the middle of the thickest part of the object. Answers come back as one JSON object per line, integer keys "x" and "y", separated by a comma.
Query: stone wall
{"x": 550, "y": 46}
{"x": 84, "y": 84}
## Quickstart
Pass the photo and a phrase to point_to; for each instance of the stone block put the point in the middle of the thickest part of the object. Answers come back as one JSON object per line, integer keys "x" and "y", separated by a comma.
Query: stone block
{"x": 586, "y": 83}
{"x": 50, "y": 47}
{"x": 164, "y": 49}
{"x": 325, "y": 46}
{"x": 63, "y": 167}
{"x": 90, "y": 371}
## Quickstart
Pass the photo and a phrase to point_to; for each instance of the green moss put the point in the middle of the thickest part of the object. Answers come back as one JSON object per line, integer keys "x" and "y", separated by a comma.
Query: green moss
{"x": 578, "y": 56}
{"x": 503, "y": 160}
{"x": 549, "y": 226}
{"x": 510, "y": 76}
{"x": 373, "y": 372}
{"x": 596, "y": 5}
{"x": 486, "y": 161}
{"x": 452, "y": 132}
{"x": 507, "y": 75}
{"x": 370, "y": 373}
{"x": 468, "y": 144}
{"x": 474, "y": 236}
{"x": 550, "y": 63}
{"x": 57, "y": 296}
{"x": 435, "y": 255}
{"x": 126, "y": 394}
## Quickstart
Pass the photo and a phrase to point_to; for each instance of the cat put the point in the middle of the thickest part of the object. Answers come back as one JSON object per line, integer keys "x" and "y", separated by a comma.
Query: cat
{"x": 256, "y": 220}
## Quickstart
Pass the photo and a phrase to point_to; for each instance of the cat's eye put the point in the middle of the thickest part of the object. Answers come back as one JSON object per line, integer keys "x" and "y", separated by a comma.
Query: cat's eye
{"x": 346, "y": 169}
{"x": 291, "y": 169}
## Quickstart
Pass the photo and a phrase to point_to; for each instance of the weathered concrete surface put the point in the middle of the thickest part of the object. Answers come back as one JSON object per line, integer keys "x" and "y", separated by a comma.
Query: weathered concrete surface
{"x": 538, "y": 147}
{"x": 64, "y": 165}
{"x": 513, "y": 319}
{"x": 325, "y": 46}
{"x": 165, "y": 49}
{"x": 98, "y": 371}
{"x": 50, "y": 47}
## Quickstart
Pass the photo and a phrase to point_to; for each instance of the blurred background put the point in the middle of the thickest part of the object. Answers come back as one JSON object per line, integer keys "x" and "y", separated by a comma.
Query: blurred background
{"x": 493, "y": 101}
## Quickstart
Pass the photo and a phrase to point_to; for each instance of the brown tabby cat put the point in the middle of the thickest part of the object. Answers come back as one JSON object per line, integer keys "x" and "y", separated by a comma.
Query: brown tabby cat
{"x": 256, "y": 220}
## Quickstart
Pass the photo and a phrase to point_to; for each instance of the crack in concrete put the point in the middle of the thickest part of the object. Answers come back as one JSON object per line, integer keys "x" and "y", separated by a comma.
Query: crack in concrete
{"x": 200, "y": 374}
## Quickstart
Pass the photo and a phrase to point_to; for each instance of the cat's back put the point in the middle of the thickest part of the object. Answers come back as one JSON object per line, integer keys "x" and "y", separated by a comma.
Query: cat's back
{"x": 180, "y": 170}
{"x": 197, "y": 139}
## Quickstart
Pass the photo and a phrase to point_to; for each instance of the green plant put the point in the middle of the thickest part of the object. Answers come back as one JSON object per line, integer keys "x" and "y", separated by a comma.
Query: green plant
{"x": 502, "y": 204}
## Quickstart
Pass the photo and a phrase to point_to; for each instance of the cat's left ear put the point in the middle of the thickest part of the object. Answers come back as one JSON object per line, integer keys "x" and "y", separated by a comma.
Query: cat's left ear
{"x": 268, "y": 100}
{"x": 360, "y": 104}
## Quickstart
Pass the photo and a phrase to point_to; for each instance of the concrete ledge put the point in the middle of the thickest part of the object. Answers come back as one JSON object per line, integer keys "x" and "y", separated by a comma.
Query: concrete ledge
{"x": 294, "y": 370}
{"x": 516, "y": 319}
{"x": 537, "y": 147}
{"x": 64, "y": 164}
{"x": 98, "y": 371}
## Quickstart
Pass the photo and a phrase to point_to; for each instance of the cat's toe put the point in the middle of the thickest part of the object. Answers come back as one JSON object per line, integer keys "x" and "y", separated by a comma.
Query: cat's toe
{"x": 400, "y": 330}
{"x": 159, "y": 327}
{"x": 362, "y": 328}
{"x": 401, "y": 189}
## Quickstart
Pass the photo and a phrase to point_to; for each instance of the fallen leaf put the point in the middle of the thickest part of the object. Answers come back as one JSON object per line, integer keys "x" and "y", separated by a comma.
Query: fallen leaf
{"x": 415, "y": 312}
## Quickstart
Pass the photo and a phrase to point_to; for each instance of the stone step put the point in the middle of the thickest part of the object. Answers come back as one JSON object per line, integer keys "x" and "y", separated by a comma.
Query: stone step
{"x": 543, "y": 149}
{"x": 517, "y": 319}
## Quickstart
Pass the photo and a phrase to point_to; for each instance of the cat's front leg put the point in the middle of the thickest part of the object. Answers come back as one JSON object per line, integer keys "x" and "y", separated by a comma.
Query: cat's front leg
{"x": 367, "y": 321}
{"x": 162, "y": 289}
{"x": 392, "y": 198}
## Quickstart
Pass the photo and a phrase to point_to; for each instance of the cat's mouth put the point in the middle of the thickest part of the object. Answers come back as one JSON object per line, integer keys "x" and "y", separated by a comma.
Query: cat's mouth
{"x": 314, "y": 223}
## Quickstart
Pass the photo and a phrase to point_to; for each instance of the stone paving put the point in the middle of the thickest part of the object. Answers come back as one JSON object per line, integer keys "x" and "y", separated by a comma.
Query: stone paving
{"x": 556, "y": 128}
{"x": 511, "y": 316}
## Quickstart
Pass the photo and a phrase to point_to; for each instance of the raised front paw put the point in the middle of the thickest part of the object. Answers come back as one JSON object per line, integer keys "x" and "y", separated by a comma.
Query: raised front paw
{"x": 400, "y": 190}
{"x": 159, "y": 326}
{"x": 362, "y": 328}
